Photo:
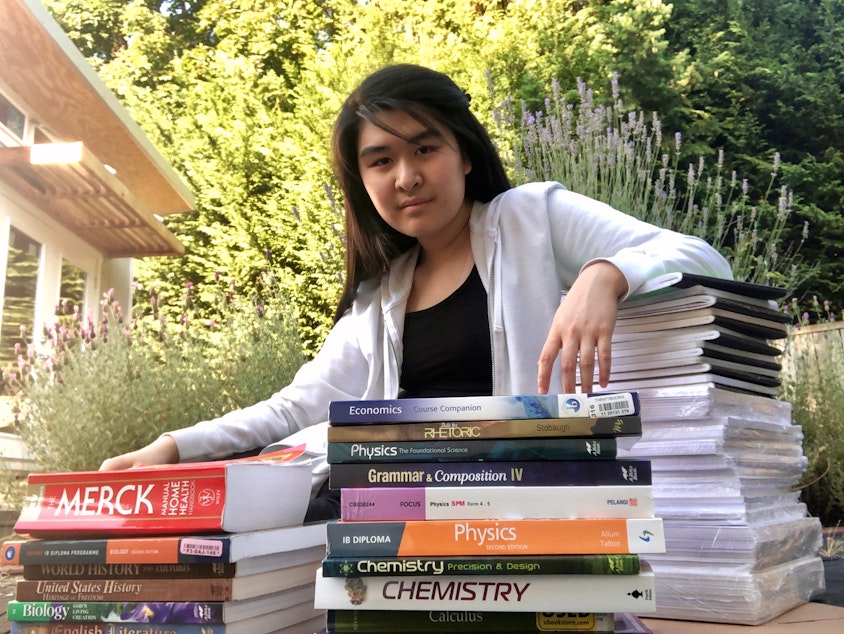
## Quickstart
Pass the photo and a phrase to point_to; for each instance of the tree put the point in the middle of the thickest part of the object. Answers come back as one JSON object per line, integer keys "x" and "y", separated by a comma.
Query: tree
{"x": 767, "y": 78}
{"x": 214, "y": 84}
{"x": 239, "y": 95}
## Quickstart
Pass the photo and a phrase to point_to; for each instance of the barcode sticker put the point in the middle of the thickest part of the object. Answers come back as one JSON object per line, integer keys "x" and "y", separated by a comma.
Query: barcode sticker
{"x": 606, "y": 405}
{"x": 201, "y": 547}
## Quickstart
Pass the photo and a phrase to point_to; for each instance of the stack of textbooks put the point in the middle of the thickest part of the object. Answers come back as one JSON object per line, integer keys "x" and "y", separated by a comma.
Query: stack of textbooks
{"x": 202, "y": 548}
{"x": 488, "y": 514}
{"x": 726, "y": 458}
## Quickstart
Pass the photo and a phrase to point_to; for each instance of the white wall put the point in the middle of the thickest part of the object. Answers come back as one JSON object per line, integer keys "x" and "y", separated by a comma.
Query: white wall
{"x": 57, "y": 244}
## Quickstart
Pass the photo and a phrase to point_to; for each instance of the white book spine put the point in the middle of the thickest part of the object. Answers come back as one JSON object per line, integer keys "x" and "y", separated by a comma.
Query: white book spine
{"x": 517, "y": 593}
{"x": 483, "y": 503}
{"x": 467, "y": 408}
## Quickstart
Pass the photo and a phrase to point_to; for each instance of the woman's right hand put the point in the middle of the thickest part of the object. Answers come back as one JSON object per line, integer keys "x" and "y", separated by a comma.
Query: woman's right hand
{"x": 162, "y": 450}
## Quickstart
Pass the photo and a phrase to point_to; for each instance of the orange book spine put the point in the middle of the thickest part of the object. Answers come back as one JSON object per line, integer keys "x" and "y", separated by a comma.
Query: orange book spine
{"x": 496, "y": 537}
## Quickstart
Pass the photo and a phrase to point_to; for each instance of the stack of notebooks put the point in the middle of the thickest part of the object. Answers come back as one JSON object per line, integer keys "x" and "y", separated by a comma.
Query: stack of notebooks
{"x": 682, "y": 330}
{"x": 726, "y": 458}
{"x": 204, "y": 548}
{"x": 497, "y": 514}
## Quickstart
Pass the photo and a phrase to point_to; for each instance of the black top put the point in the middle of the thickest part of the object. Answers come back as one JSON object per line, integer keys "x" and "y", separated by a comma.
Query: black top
{"x": 447, "y": 349}
{"x": 447, "y": 352}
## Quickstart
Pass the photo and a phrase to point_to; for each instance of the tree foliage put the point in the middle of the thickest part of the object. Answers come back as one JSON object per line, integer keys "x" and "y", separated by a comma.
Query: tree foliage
{"x": 240, "y": 95}
{"x": 765, "y": 78}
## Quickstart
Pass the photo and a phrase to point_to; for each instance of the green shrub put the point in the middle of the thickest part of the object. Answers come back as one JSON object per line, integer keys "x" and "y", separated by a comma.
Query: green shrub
{"x": 814, "y": 385}
{"x": 104, "y": 388}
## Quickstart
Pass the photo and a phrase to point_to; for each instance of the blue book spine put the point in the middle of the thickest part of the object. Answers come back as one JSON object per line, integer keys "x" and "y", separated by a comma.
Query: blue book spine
{"x": 484, "y": 408}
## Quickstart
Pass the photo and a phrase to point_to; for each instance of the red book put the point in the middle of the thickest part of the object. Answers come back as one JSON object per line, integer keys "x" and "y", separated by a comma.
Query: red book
{"x": 228, "y": 496}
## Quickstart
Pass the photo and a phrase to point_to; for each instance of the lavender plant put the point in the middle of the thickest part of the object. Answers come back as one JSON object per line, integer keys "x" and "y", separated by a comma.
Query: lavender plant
{"x": 621, "y": 158}
{"x": 100, "y": 387}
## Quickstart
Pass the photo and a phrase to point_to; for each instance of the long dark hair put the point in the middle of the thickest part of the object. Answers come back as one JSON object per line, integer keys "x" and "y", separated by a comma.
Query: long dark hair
{"x": 371, "y": 244}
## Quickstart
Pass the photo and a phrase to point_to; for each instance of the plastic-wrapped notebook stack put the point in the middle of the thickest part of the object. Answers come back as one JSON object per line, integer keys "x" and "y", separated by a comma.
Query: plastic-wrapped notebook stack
{"x": 503, "y": 513}
{"x": 203, "y": 548}
{"x": 726, "y": 457}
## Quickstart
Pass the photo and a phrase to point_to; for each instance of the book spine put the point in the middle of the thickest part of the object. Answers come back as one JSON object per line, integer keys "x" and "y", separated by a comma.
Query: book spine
{"x": 494, "y": 565}
{"x": 182, "y": 502}
{"x": 611, "y": 427}
{"x": 77, "y": 627}
{"x": 60, "y": 572}
{"x": 194, "y": 612}
{"x": 135, "y": 550}
{"x": 466, "y": 450}
{"x": 126, "y": 590}
{"x": 516, "y": 593}
{"x": 495, "y": 537}
{"x": 167, "y": 549}
{"x": 405, "y": 621}
{"x": 494, "y": 474}
{"x": 486, "y": 503}
{"x": 521, "y": 407}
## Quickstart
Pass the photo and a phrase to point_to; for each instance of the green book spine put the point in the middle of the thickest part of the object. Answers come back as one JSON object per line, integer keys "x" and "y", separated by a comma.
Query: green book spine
{"x": 531, "y": 449}
{"x": 434, "y": 621}
{"x": 620, "y": 564}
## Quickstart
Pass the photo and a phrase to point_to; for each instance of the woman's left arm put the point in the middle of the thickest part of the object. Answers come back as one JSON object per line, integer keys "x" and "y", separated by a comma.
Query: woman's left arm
{"x": 603, "y": 256}
{"x": 582, "y": 328}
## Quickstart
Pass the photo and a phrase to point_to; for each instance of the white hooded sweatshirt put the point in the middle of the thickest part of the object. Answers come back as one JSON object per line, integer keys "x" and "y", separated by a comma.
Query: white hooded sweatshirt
{"x": 529, "y": 245}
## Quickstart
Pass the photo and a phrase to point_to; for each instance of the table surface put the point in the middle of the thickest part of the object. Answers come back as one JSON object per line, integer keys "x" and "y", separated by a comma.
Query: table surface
{"x": 825, "y": 615}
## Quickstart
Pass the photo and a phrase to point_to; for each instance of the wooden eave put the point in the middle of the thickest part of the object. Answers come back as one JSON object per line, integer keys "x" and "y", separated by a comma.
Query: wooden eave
{"x": 66, "y": 98}
{"x": 69, "y": 183}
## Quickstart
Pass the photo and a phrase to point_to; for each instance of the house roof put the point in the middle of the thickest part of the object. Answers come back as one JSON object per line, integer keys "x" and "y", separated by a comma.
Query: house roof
{"x": 114, "y": 212}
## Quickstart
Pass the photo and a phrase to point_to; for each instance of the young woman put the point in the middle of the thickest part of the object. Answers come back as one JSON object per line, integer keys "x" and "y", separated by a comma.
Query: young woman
{"x": 454, "y": 279}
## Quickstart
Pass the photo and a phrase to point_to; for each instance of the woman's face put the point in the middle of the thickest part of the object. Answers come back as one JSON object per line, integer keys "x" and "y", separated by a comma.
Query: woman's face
{"x": 417, "y": 185}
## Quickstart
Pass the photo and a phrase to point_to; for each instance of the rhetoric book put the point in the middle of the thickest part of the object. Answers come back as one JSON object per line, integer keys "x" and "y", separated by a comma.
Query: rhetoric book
{"x": 613, "y": 427}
